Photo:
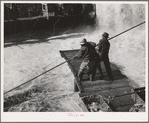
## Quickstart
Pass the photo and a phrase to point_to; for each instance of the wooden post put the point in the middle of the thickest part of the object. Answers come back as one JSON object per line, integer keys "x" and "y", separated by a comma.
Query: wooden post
{"x": 76, "y": 89}
{"x": 45, "y": 10}
{"x": 79, "y": 85}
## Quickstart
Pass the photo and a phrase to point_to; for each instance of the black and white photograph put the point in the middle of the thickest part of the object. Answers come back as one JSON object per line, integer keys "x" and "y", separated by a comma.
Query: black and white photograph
{"x": 75, "y": 60}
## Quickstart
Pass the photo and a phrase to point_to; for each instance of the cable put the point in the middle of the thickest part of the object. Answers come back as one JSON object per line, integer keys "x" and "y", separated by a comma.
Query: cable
{"x": 126, "y": 30}
{"x": 70, "y": 60}
{"x": 38, "y": 75}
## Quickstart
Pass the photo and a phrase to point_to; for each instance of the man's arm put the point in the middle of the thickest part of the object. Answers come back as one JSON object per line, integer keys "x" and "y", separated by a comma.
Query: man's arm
{"x": 80, "y": 53}
{"x": 92, "y": 43}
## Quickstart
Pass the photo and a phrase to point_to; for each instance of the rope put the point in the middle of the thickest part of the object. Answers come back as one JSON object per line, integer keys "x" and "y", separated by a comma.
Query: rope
{"x": 126, "y": 30}
{"x": 38, "y": 75}
{"x": 67, "y": 60}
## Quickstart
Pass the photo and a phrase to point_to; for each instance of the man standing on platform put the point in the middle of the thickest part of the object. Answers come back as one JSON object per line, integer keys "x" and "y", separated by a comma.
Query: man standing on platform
{"x": 88, "y": 53}
{"x": 103, "y": 51}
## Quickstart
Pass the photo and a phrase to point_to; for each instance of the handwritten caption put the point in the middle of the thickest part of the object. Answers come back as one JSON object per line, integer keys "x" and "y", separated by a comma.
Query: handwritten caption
{"x": 75, "y": 115}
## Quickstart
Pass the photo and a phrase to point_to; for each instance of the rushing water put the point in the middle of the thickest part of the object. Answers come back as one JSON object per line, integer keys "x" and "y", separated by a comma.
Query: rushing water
{"x": 127, "y": 50}
{"x": 27, "y": 61}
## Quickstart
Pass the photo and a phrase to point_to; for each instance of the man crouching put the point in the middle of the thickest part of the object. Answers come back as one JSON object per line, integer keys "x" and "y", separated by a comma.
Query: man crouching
{"x": 88, "y": 53}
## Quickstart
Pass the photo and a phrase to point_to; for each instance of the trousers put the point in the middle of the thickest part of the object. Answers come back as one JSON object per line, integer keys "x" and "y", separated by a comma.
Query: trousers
{"x": 86, "y": 67}
{"x": 97, "y": 66}
{"x": 105, "y": 59}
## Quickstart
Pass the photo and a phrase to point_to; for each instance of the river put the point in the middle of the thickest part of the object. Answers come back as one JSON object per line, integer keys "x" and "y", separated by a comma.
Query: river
{"x": 26, "y": 61}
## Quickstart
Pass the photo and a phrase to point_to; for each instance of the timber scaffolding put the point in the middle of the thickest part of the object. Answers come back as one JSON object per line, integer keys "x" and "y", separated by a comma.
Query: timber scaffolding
{"x": 119, "y": 95}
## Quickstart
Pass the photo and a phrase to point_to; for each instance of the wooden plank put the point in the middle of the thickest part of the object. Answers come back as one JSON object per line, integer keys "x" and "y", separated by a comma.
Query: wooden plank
{"x": 105, "y": 78}
{"x": 110, "y": 92}
{"x": 122, "y": 101}
{"x": 71, "y": 51}
{"x": 70, "y": 54}
{"x": 126, "y": 102}
{"x": 76, "y": 89}
{"x": 103, "y": 83}
{"x": 82, "y": 105}
{"x": 76, "y": 66}
{"x": 117, "y": 76}
{"x": 74, "y": 73}
{"x": 124, "y": 108}
{"x": 104, "y": 87}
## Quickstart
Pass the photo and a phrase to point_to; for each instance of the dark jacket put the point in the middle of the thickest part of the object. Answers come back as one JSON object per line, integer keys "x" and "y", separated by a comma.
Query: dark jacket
{"x": 103, "y": 46}
{"x": 87, "y": 52}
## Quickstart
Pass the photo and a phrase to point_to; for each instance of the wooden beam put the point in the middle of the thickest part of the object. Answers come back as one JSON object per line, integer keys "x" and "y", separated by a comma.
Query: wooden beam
{"x": 110, "y": 92}
{"x": 103, "y": 83}
{"x": 82, "y": 105}
{"x": 74, "y": 73}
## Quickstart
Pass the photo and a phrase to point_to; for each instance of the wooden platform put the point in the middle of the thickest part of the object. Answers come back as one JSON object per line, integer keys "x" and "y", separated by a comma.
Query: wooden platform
{"x": 105, "y": 88}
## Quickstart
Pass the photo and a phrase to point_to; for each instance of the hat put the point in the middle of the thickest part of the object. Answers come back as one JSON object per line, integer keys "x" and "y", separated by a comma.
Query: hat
{"x": 105, "y": 34}
{"x": 83, "y": 41}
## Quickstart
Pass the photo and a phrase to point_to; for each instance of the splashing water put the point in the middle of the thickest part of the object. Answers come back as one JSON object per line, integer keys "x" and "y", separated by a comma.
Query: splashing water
{"x": 127, "y": 51}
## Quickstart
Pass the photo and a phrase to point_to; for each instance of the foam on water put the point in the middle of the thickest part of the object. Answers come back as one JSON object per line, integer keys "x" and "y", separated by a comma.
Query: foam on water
{"x": 127, "y": 51}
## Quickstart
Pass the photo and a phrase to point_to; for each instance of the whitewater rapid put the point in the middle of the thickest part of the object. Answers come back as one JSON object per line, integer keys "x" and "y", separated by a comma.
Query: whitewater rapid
{"x": 128, "y": 51}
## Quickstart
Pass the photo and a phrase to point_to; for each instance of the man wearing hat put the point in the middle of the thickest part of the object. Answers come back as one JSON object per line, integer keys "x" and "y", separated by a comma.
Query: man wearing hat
{"x": 103, "y": 51}
{"x": 88, "y": 53}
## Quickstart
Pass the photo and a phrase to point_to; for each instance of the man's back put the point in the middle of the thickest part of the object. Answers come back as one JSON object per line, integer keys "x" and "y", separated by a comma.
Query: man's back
{"x": 103, "y": 49}
{"x": 87, "y": 52}
{"x": 103, "y": 46}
